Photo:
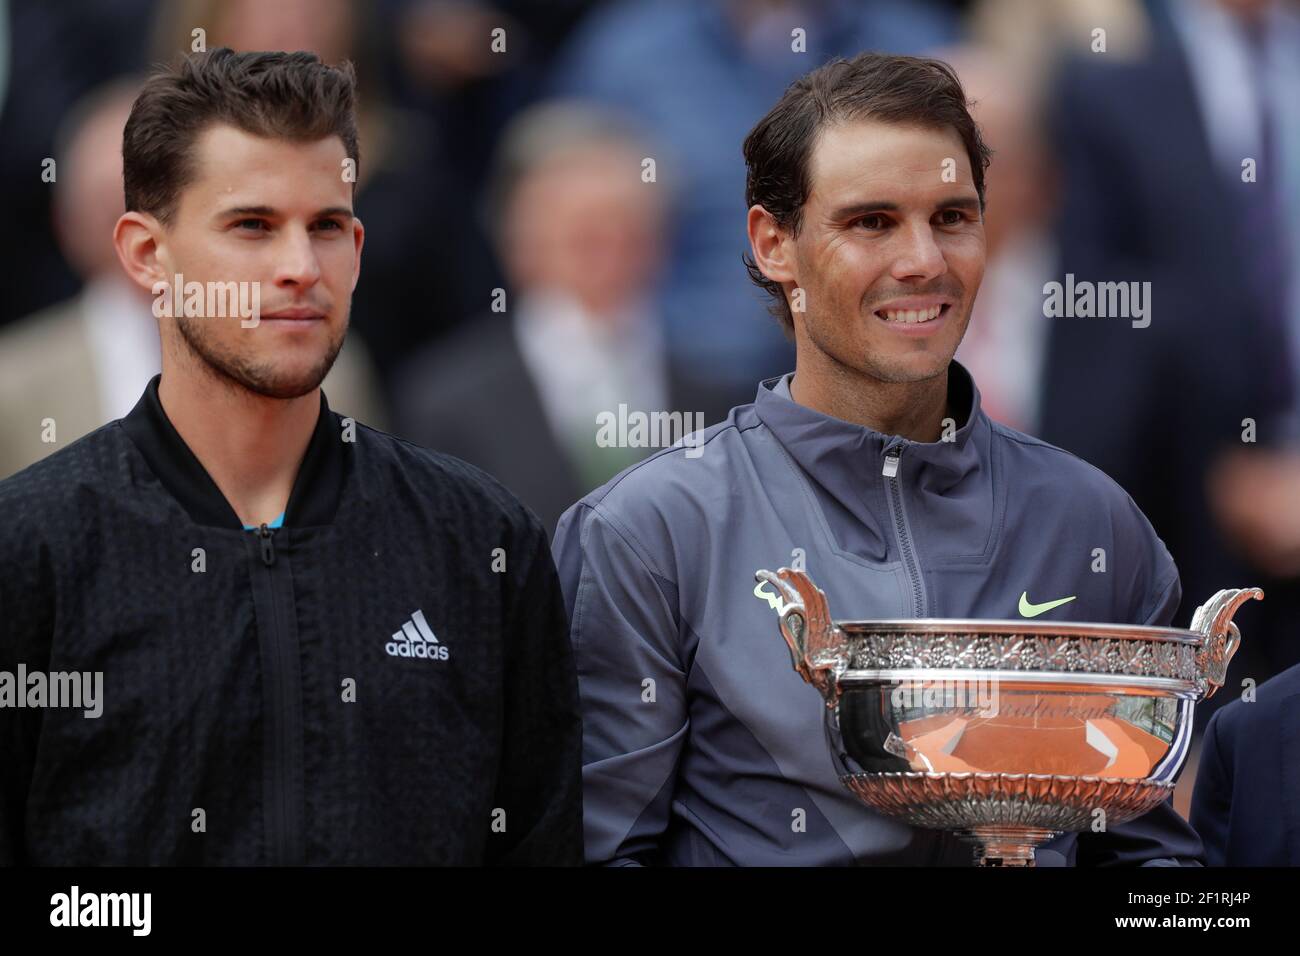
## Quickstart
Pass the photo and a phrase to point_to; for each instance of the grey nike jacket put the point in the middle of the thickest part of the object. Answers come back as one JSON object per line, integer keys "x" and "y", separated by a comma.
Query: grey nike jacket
{"x": 702, "y": 746}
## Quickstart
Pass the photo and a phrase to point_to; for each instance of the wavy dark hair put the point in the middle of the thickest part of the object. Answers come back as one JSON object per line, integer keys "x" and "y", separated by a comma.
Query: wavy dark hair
{"x": 908, "y": 90}
{"x": 284, "y": 95}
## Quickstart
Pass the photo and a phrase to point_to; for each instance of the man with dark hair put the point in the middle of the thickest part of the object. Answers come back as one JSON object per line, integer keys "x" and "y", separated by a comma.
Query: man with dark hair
{"x": 294, "y": 639}
{"x": 872, "y": 466}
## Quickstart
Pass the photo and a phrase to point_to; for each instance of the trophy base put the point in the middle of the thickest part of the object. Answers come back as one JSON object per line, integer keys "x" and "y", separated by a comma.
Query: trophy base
{"x": 1006, "y": 846}
{"x": 1007, "y": 815}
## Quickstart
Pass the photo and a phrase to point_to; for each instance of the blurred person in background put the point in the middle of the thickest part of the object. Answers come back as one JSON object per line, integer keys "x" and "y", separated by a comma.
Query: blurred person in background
{"x": 1006, "y": 341}
{"x": 1246, "y": 805}
{"x": 1008, "y": 65}
{"x": 54, "y": 55}
{"x": 699, "y": 74}
{"x": 1152, "y": 154}
{"x": 447, "y": 63}
{"x": 422, "y": 277}
{"x": 1033, "y": 35}
{"x": 83, "y": 362}
{"x": 518, "y": 392}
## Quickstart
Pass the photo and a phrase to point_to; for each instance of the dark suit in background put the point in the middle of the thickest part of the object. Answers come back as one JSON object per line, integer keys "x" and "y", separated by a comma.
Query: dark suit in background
{"x": 1246, "y": 805}
{"x": 473, "y": 396}
{"x": 1143, "y": 200}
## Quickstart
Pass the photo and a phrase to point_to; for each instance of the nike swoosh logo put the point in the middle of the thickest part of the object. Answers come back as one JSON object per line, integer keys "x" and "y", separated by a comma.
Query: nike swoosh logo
{"x": 1033, "y": 610}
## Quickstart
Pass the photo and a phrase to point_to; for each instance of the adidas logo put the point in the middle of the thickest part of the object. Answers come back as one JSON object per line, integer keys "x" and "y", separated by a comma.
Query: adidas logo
{"x": 416, "y": 639}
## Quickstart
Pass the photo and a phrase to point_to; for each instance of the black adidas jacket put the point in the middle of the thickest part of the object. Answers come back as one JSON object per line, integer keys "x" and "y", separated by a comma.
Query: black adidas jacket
{"x": 229, "y": 734}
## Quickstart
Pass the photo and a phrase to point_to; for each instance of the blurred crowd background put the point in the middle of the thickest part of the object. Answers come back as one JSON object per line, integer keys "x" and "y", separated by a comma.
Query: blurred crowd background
{"x": 522, "y": 170}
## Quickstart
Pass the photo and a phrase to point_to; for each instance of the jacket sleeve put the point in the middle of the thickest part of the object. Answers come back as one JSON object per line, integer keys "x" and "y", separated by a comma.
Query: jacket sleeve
{"x": 1212, "y": 795}
{"x": 539, "y": 784}
{"x": 631, "y": 682}
{"x": 1160, "y": 837}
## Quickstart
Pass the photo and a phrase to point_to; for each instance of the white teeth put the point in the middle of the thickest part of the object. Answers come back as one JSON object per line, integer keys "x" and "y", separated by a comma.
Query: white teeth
{"x": 911, "y": 316}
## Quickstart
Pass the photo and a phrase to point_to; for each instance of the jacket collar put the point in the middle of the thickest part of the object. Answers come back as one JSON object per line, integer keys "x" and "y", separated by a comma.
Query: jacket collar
{"x": 846, "y": 461}
{"x": 316, "y": 489}
{"x": 816, "y": 440}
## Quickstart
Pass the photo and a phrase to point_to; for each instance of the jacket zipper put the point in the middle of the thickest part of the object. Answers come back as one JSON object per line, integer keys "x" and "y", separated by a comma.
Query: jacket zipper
{"x": 285, "y": 838}
{"x": 890, "y": 471}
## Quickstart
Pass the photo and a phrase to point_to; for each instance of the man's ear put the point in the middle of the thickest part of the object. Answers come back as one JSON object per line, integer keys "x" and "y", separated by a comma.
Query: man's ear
{"x": 359, "y": 237}
{"x": 772, "y": 246}
{"x": 136, "y": 238}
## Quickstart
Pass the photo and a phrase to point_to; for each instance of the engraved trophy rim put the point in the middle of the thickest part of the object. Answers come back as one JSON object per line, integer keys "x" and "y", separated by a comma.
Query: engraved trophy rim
{"x": 976, "y": 626}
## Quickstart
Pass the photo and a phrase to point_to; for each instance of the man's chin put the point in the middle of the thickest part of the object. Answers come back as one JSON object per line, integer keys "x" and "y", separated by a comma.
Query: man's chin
{"x": 284, "y": 391}
{"x": 284, "y": 385}
{"x": 902, "y": 369}
{"x": 270, "y": 381}
{"x": 291, "y": 374}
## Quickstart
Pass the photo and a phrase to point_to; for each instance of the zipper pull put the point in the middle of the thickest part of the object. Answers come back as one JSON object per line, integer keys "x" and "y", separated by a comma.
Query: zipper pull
{"x": 893, "y": 454}
{"x": 268, "y": 544}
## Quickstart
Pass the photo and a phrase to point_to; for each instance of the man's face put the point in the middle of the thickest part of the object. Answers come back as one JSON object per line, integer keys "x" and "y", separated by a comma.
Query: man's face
{"x": 580, "y": 225}
{"x": 886, "y": 241}
{"x": 278, "y": 213}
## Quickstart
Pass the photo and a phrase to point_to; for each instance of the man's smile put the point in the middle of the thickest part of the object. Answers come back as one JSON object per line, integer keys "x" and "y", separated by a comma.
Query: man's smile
{"x": 915, "y": 320}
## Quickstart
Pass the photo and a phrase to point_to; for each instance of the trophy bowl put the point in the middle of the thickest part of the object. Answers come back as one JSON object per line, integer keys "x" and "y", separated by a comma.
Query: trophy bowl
{"x": 1007, "y": 733}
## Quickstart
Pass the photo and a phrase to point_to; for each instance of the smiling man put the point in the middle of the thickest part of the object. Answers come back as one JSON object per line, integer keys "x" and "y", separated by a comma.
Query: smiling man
{"x": 873, "y": 467}
{"x": 319, "y": 644}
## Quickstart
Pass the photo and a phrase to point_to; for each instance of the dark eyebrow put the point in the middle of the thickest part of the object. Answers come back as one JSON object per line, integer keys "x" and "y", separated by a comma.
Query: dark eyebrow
{"x": 270, "y": 212}
{"x": 854, "y": 210}
{"x": 246, "y": 211}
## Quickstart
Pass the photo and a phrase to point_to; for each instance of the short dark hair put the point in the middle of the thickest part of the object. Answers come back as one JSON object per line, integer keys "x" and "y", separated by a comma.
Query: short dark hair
{"x": 907, "y": 90}
{"x": 283, "y": 95}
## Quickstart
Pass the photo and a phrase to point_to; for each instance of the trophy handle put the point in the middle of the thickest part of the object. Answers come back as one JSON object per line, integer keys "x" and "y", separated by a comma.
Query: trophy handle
{"x": 817, "y": 647}
{"x": 1219, "y": 636}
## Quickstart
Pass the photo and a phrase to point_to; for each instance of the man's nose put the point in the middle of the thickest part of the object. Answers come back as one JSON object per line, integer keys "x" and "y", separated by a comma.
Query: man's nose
{"x": 918, "y": 256}
{"x": 296, "y": 262}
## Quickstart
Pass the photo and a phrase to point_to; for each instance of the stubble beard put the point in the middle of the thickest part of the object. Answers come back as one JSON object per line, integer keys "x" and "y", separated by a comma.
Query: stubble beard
{"x": 258, "y": 377}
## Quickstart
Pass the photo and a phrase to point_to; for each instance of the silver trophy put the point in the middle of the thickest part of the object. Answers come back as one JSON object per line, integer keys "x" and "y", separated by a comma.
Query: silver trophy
{"x": 1007, "y": 733}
